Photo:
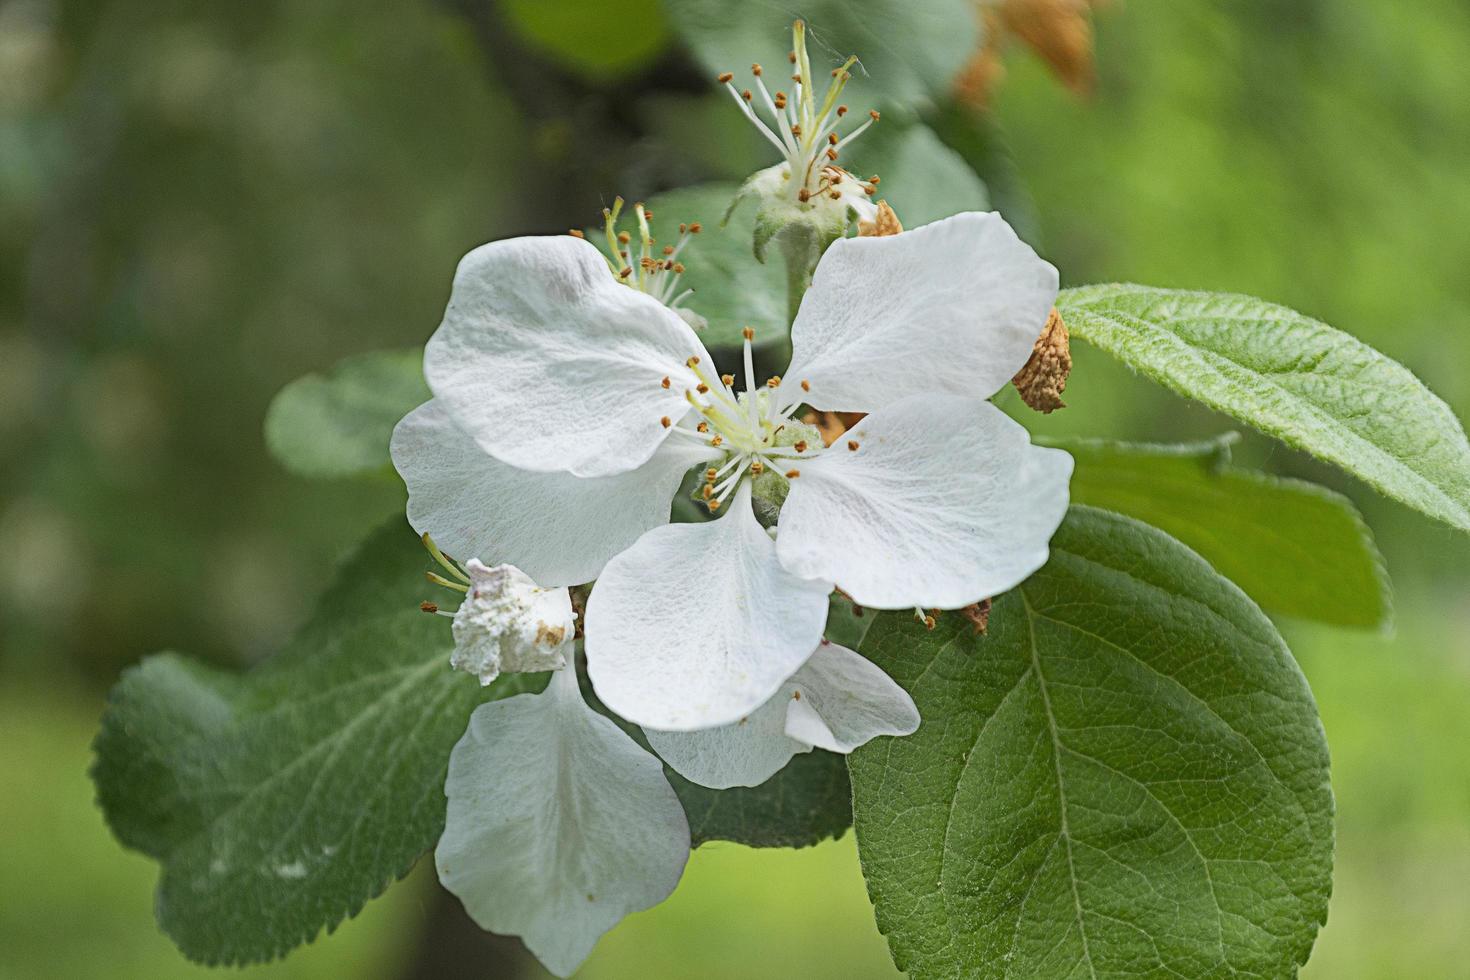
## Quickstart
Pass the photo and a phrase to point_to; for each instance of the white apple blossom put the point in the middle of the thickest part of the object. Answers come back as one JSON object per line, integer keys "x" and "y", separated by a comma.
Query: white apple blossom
{"x": 836, "y": 701}
{"x": 567, "y": 407}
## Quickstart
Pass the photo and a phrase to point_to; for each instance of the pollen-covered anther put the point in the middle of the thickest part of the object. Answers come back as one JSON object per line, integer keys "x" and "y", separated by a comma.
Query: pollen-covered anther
{"x": 841, "y": 111}
{"x": 728, "y": 380}
{"x": 664, "y": 383}
{"x": 665, "y": 422}
{"x": 678, "y": 268}
{"x": 576, "y": 233}
{"x": 428, "y": 607}
{"x": 724, "y": 77}
{"x": 874, "y": 115}
{"x": 708, "y": 491}
{"x": 748, "y": 333}
{"x": 627, "y": 271}
{"x": 702, "y": 427}
{"x": 713, "y": 505}
{"x": 745, "y": 94}
{"x": 773, "y": 382}
{"x": 757, "y": 468}
{"x": 792, "y": 474}
{"x": 930, "y": 622}
{"x": 800, "y": 445}
{"x": 702, "y": 388}
{"x": 695, "y": 228}
{"x": 756, "y": 69}
{"x": 711, "y": 474}
{"x": 693, "y": 361}
{"x": 806, "y": 386}
{"x": 717, "y": 441}
{"x": 624, "y": 238}
{"x": 852, "y": 445}
{"x": 668, "y": 250}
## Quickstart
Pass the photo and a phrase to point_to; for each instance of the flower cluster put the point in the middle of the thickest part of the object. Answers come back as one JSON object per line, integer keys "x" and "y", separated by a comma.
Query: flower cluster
{"x": 568, "y": 410}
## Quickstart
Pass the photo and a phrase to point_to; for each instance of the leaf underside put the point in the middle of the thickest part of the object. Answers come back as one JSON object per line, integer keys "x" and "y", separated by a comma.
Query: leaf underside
{"x": 1126, "y": 777}
{"x": 1292, "y": 377}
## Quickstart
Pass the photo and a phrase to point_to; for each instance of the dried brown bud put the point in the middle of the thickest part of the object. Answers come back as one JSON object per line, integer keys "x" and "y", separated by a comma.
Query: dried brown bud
{"x": 886, "y": 223}
{"x": 978, "y": 614}
{"x": 1044, "y": 378}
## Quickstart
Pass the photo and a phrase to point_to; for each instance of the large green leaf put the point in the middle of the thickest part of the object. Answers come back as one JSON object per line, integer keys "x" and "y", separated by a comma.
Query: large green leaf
{"x": 339, "y": 423}
{"x": 281, "y": 800}
{"x": 1292, "y": 377}
{"x": 1125, "y": 777}
{"x": 909, "y": 52}
{"x": 1295, "y": 547}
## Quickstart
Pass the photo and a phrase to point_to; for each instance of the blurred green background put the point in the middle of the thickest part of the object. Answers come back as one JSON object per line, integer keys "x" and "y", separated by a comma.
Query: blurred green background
{"x": 199, "y": 203}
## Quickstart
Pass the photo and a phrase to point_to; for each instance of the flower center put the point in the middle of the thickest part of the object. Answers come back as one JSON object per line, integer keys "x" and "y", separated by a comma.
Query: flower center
{"x": 756, "y": 434}
{"x": 804, "y": 130}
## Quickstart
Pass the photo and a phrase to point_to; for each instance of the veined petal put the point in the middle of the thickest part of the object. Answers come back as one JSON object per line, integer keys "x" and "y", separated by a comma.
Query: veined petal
{"x": 847, "y": 700}
{"x": 697, "y": 625}
{"x": 550, "y": 364}
{"x": 836, "y": 701}
{"x": 944, "y": 502}
{"x": 559, "y": 824}
{"x": 558, "y": 528}
{"x": 954, "y": 306}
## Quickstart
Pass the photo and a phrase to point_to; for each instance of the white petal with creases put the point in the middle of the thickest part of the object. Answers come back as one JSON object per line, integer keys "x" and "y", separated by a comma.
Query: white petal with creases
{"x": 549, "y": 363}
{"x": 697, "y": 625}
{"x": 837, "y": 701}
{"x": 559, "y": 824}
{"x": 945, "y": 502}
{"x": 954, "y": 306}
{"x": 558, "y": 528}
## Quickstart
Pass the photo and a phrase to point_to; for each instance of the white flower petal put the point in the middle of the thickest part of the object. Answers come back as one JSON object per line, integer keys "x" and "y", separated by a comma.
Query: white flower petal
{"x": 847, "y": 700}
{"x": 745, "y": 753}
{"x": 697, "y": 625}
{"x": 836, "y": 701}
{"x": 550, "y": 364}
{"x": 953, "y": 306}
{"x": 945, "y": 502}
{"x": 559, "y": 824}
{"x": 558, "y": 528}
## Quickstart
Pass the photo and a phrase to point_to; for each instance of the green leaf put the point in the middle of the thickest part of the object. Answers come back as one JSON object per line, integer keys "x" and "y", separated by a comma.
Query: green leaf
{"x": 909, "y": 52}
{"x": 280, "y": 800}
{"x": 593, "y": 38}
{"x": 1292, "y": 377}
{"x": 338, "y": 424}
{"x": 807, "y": 802}
{"x": 1125, "y": 777}
{"x": 1295, "y": 547}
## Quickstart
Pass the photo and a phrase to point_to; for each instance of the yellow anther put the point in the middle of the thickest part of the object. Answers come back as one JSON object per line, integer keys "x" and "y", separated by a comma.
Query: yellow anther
{"x": 693, "y": 360}
{"x": 748, "y": 333}
{"x": 728, "y": 380}
{"x": 702, "y": 427}
{"x": 714, "y": 505}
{"x": 757, "y": 468}
{"x": 724, "y": 77}
{"x": 711, "y": 473}
{"x": 773, "y": 382}
{"x": 929, "y": 622}
{"x": 576, "y": 233}
{"x": 717, "y": 441}
{"x": 709, "y": 490}
{"x": 756, "y": 69}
